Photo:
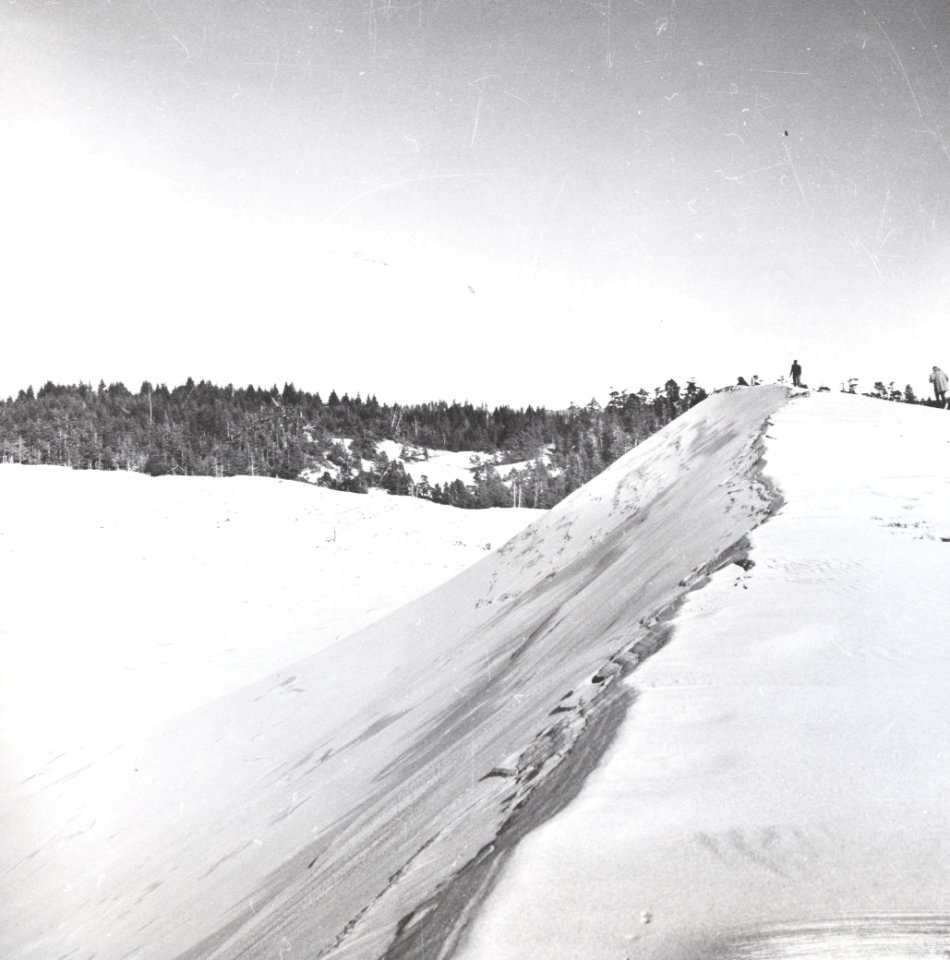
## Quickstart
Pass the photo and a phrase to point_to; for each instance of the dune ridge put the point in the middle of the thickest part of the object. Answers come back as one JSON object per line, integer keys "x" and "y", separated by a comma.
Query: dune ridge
{"x": 463, "y": 684}
{"x": 327, "y": 809}
{"x": 778, "y": 787}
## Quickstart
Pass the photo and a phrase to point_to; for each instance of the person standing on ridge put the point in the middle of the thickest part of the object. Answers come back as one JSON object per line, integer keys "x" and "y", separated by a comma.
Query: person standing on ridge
{"x": 796, "y": 373}
{"x": 939, "y": 379}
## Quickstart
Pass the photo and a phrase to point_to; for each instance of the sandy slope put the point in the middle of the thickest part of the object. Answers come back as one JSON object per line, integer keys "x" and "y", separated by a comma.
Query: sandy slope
{"x": 313, "y": 812}
{"x": 129, "y": 601}
{"x": 780, "y": 788}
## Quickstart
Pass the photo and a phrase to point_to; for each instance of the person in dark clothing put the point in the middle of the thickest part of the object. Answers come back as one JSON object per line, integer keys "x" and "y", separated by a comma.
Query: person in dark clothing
{"x": 796, "y": 373}
{"x": 741, "y": 382}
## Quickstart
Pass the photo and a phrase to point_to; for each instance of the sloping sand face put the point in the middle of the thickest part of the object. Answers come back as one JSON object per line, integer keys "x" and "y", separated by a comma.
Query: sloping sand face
{"x": 128, "y": 599}
{"x": 336, "y": 808}
{"x": 780, "y": 786}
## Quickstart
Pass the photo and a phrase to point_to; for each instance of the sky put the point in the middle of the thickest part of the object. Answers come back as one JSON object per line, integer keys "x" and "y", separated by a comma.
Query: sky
{"x": 522, "y": 202}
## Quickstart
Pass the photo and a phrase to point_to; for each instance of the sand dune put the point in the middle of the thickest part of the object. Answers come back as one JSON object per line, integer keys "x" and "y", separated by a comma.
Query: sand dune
{"x": 130, "y": 601}
{"x": 316, "y": 810}
{"x": 650, "y": 725}
{"x": 779, "y": 788}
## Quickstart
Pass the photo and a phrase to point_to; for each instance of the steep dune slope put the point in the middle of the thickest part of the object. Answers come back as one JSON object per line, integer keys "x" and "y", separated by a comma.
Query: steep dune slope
{"x": 780, "y": 787}
{"x": 326, "y": 811}
{"x": 130, "y": 600}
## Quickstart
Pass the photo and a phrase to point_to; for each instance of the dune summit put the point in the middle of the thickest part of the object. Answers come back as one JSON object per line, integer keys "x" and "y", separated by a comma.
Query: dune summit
{"x": 362, "y": 802}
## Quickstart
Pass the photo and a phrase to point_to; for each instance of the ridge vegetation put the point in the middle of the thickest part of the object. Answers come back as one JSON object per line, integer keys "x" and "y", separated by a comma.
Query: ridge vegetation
{"x": 205, "y": 429}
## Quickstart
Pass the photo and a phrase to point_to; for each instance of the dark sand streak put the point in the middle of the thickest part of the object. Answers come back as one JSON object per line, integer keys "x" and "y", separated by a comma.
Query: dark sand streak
{"x": 435, "y": 927}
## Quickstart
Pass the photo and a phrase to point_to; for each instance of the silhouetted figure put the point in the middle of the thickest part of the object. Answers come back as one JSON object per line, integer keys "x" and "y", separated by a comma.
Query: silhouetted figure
{"x": 939, "y": 379}
{"x": 796, "y": 373}
{"x": 741, "y": 382}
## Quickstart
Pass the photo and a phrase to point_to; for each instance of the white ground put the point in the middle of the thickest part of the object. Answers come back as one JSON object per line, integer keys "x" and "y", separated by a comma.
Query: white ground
{"x": 788, "y": 759}
{"x": 319, "y": 804}
{"x": 445, "y": 466}
{"x": 129, "y": 600}
{"x": 131, "y": 606}
{"x": 441, "y": 466}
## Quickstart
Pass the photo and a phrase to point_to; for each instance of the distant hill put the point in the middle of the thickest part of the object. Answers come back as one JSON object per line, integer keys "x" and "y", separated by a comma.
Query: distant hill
{"x": 530, "y": 457}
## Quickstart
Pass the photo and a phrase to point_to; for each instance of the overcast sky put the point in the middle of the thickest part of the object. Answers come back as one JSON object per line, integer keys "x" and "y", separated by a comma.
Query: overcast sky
{"x": 510, "y": 202}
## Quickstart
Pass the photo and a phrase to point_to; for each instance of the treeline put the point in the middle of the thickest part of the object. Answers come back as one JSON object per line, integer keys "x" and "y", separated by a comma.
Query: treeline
{"x": 204, "y": 429}
{"x": 888, "y": 391}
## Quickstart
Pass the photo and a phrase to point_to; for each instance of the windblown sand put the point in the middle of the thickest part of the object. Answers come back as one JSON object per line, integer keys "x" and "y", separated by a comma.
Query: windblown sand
{"x": 209, "y": 751}
{"x": 780, "y": 788}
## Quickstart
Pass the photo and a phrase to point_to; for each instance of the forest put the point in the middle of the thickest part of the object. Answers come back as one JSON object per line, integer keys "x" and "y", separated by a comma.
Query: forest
{"x": 204, "y": 429}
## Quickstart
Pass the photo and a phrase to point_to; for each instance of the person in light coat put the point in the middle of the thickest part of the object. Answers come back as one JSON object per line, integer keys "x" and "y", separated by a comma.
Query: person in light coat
{"x": 939, "y": 379}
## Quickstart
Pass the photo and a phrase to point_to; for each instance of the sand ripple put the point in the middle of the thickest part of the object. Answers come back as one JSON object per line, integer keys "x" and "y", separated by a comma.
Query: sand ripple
{"x": 881, "y": 937}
